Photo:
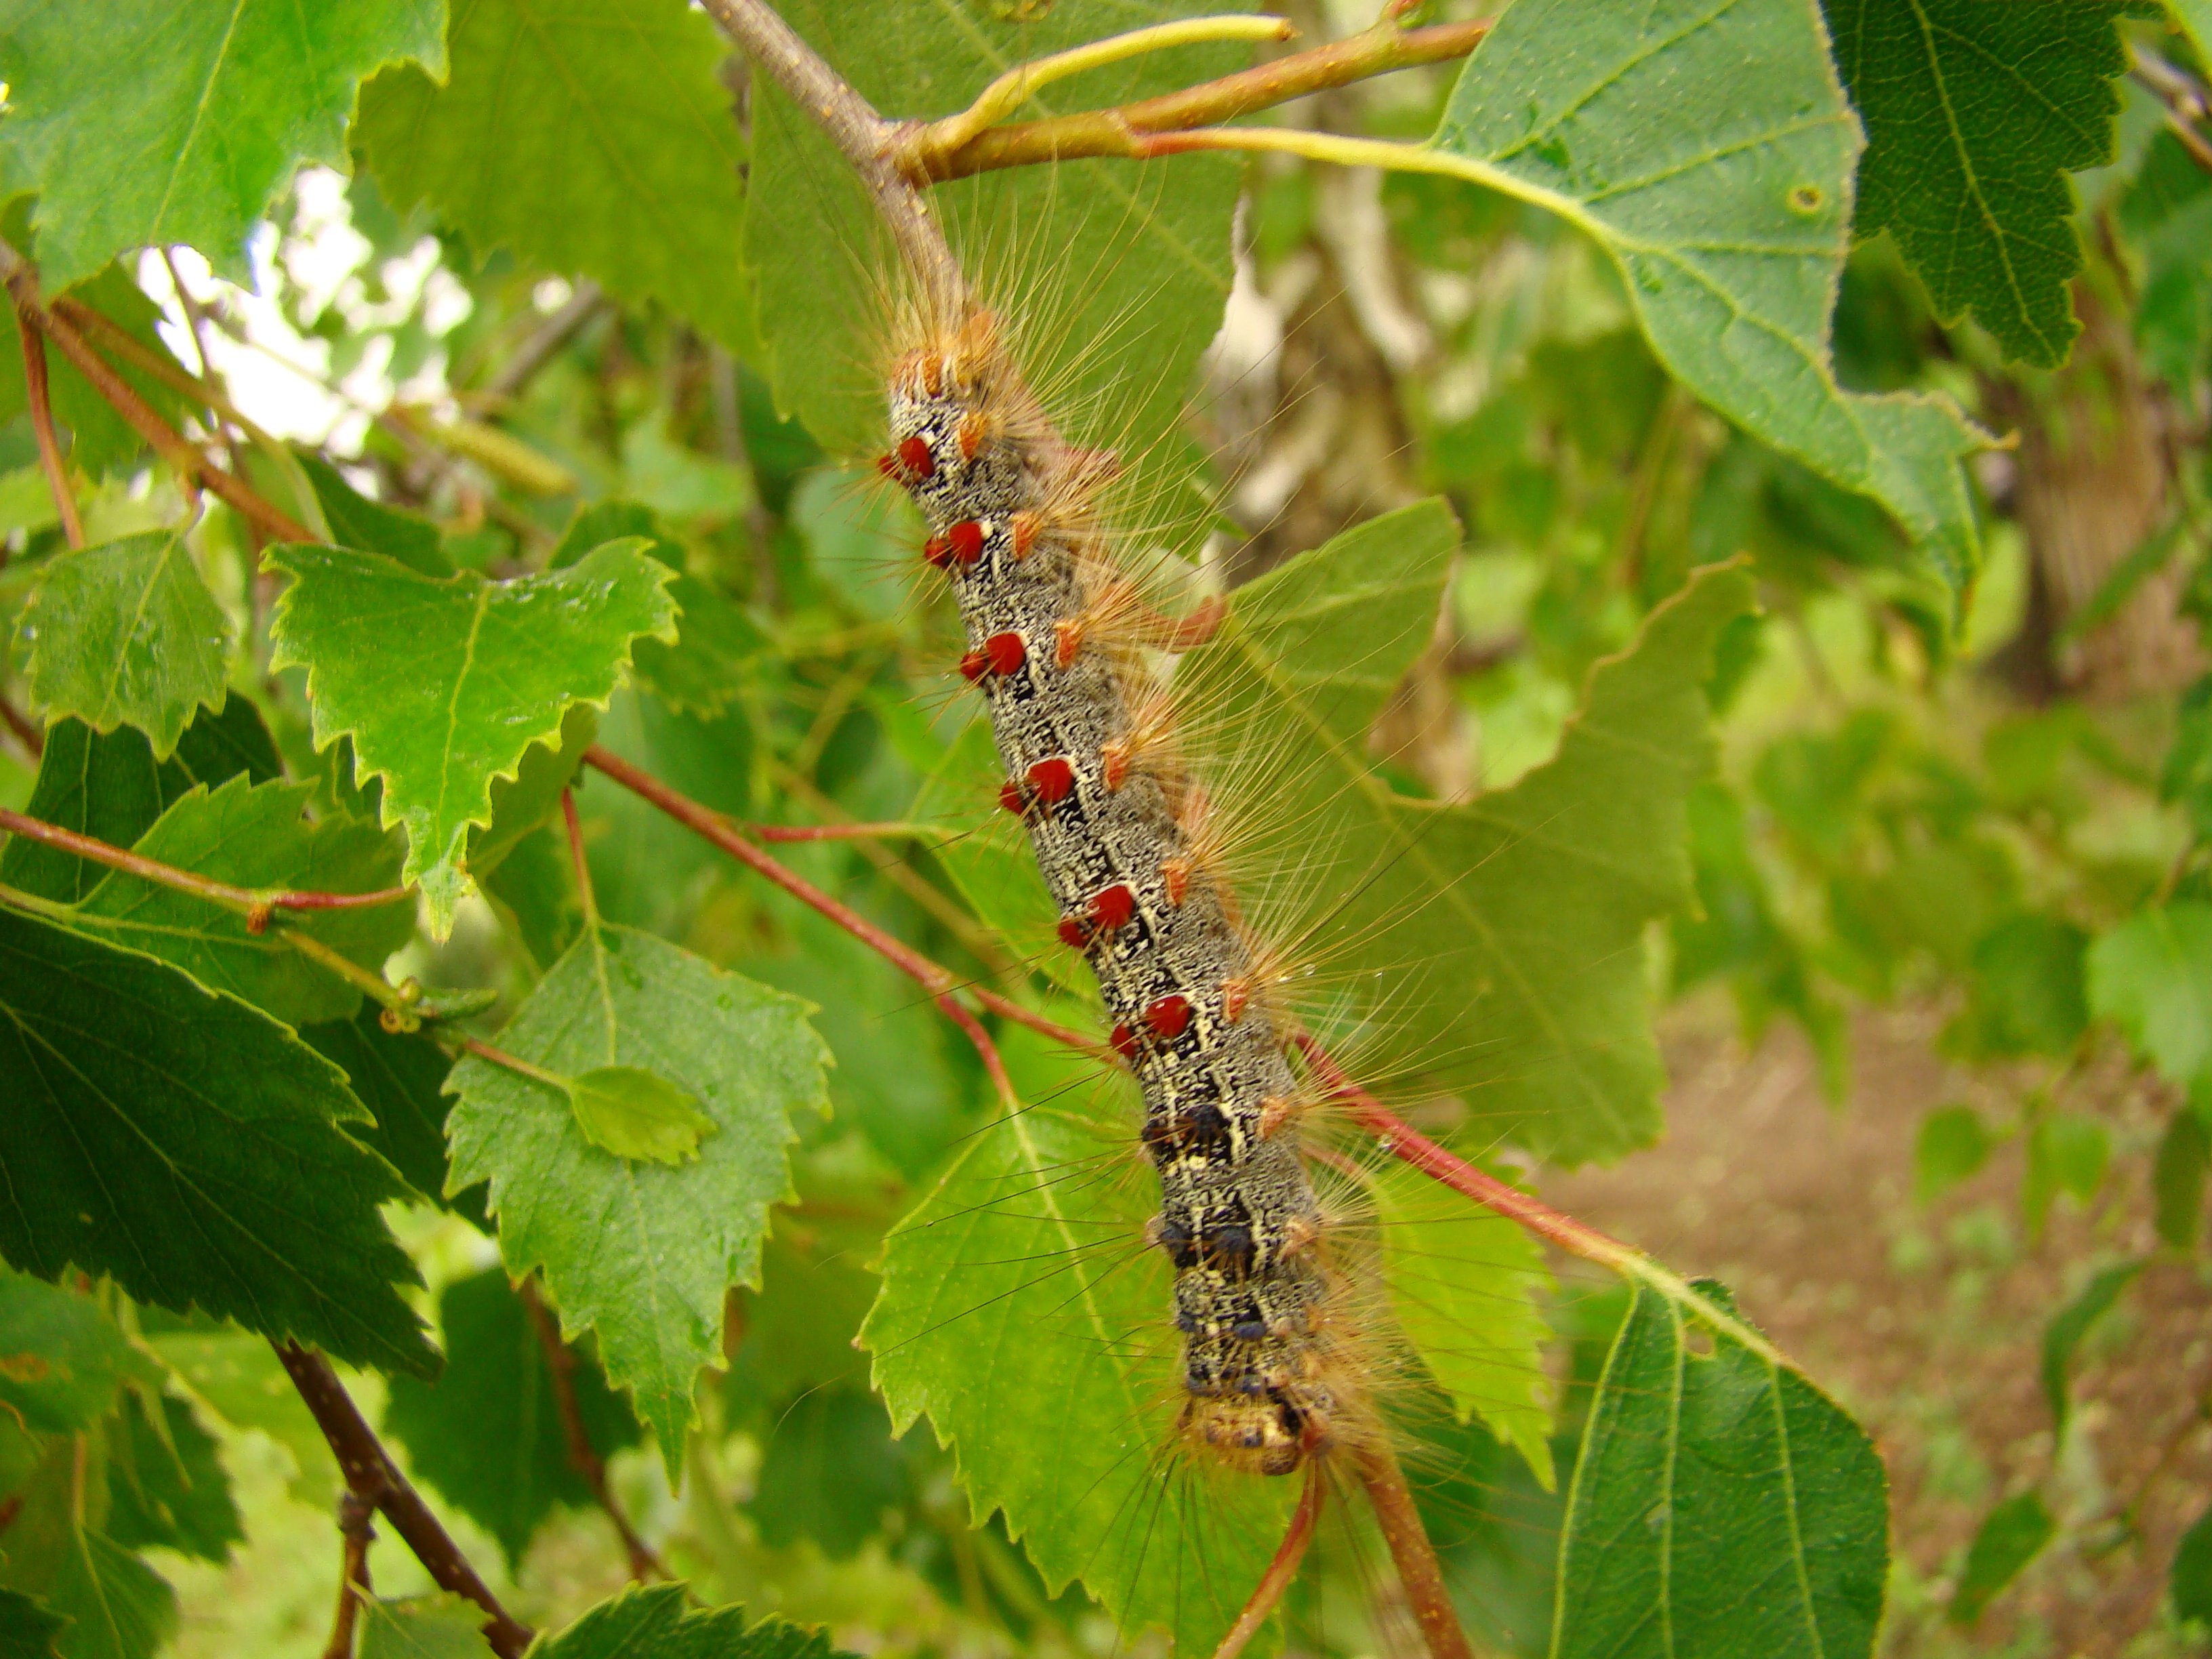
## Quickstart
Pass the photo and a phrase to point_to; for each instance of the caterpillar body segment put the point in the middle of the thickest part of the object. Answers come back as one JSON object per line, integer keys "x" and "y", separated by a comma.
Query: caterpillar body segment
{"x": 1014, "y": 525}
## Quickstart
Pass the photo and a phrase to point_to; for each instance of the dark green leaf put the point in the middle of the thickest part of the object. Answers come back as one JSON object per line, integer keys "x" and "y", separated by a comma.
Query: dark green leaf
{"x": 533, "y": 891}
{"x": 1953, "y": 1144}
{"x": 1721, "y": 1506}
{"x": 1975, "y": 111}
{"x": 2152, "y": 976}
{"x": 1709, "y": 149}
{"x": 2192, "y": 1577}
{"x": 126, "y": 634}
{"x": 619, "y": 153}
{"x": 28, "y": 1630}
{"x": 62, "y": 1358}
{"x": 443, "y": 686}
{"x": 830, "y": 1470}
{"x": 401, "y": 1078}
{"x": 2027, "y": 995}
{"x": 2187, "y": 778}
{"x": 2067, "y": 1152}
{"x": 178, "y": 123}
{"x": 520, "y": 804}
{"x": 370, "y": 526}
{"x": 654, "y": 1621}
{"x": 2074, "y": 1321}
{"x": 191, "y": 1149}
{"x": 636, "y": 1114}
{"x": 439, "y": 1626}
{"x": 641, "y": 1254}
{"x": 256, "y": 835}
{"x": 118, "y": 1607}
{"x": 167, "y": 1487}
{"x": 2177, "y": 1180}
{"x": 489, "y": 1433}
{"x": 2011, "y": 1535}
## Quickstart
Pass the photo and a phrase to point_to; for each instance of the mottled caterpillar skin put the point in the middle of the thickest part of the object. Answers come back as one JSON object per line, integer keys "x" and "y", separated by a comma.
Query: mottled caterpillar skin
{"x": 1013, "y": 525}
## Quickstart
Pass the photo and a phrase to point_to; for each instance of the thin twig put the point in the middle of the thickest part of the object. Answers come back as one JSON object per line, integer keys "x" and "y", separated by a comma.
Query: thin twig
{"x": 26, "y": 729}
{"x": 1289, "y": 1554}
{"x": 37, "y": 394}
{"x": 1119, "y": 132}
{"x": 544, "y": 342}
{"x": 1410, "y": 1550}
{"x": 355, "y": 1535}
{"x": 370, "y": 1473}
{"x": 583, "y": 1457}
{"x": 256, "y": 904}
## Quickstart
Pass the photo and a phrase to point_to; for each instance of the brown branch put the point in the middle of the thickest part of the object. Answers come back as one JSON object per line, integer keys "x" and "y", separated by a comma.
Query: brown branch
{"x": 192, "y": 468}
{"x": 370, "y": 1473}
{"x": 583, "y": 1457}
{"x": 1268, "y": 1595}
{"x": 255, "y": 904}
{"x": 27, "y": 732}
{"x": 926, "y": 158}
{"x": 357, "y": 1535}
{"x": 36, "y": 394}
{"x": 865, "y": 139}
{"x": 1415, "y": 1557}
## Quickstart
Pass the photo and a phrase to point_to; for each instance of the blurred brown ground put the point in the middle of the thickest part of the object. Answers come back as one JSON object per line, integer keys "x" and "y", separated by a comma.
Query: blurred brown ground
{"x": 1928, "y": 1322}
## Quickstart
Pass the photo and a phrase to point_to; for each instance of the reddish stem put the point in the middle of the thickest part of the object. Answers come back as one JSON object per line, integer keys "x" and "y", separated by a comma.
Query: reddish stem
{"x": 36, "y": 395}
{"x": 257, "y": 903}
{"x": 357, "y": 1535}
{"x": 1419, "y": 1570}
{"x": 1284, "y": 1568}
{"x": 27, "y": 732}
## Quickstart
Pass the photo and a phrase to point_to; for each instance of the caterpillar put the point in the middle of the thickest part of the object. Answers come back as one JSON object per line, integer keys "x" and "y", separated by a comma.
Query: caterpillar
{"x": 1014, "y": 525}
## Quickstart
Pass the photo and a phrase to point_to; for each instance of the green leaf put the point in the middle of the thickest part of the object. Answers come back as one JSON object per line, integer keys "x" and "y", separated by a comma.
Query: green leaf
{"x": 2194, "y": 19}
{"x": 654, "y": 1619}
{"x": 191, "y": 1149}
{"x": 2177, "y": 1180}
{"x": 1525, "y": 908}
{"x": 109, "y": 786}
{"x": 641, "y": 1254}
{"x": 828, "y": 1472}
{"x": 2073, "y": 1322}
{"x": 62, "y": 1358}
{"x": 2027, "y": 992}
{"x": 520, "y": 804}
{"x": 28, "y": 1630}
{"x": 440, "y": 1627}
{"x": 100, "y": 439}
{"x": 178, "y": 124}
{"x": 118, "y": 1607}
{"x": 1953, "y": 1144}
{"x": 400, "y": 1077}
{"x": 619, "y": 156}
{"x": 489, "y": 1433}
{"x": 2186, "y": 778}
{"x": 1464, "y": 1282}
{"x": 2191, "y": 1576}
{"x": 2067, "y": 1152}
{"x": 257, "y": 835}
{"x": 443, "y": 686}
{"x": 1721, "y": 1506}
{"x": 1023, "y": 1278}
{"x": 636, "y": 1114}
{"x": 166, "y": 1485}
{"x": 370, "y": 526}
{"x": 1162, "y": 233}
{"x": 2152, "y": 976}
{"x": 2011, "y": 1535}
{"x": 1975, "y": 111}
{"x": 1708, "y": 150}
{"x": 126, "y": 634}
{"x": 237, "y": 1376}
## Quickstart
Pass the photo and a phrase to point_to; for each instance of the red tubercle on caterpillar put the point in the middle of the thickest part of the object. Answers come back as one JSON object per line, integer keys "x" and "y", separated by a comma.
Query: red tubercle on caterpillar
{"x": 1012, "y": 799}
{"x": 1052, "y": 780}
{"x": 975, "y": 431}
{"x": 912, "y": 460}
{"x": 961, "y": 543}
{"x": 1108, "y": 912}
{"x": 1002, "y": 653}
{"x": 1170, "y": 1016}
{"x": 1123, "y": 1041}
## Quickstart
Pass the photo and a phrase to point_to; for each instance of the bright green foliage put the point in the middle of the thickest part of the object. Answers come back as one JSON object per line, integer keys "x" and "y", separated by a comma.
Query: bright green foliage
{"x": 370, "y": 526}
{"x": 1022, "y": 1277}
{"x": 592, "y": 139}
{"x": 2074, "y": 1321}
{"x": 2177, "y": 1180}
{"x": 237, "y": 1376}
{"x": 2192, "y": 1577}
{"x": 254, "y": 835}
{"x": 27, "y": 1630}
{"x": 177, "y": 123}
{"x": 118, "y": 1607}
{"x": 439, "y": 1626}
{"x": 639, "y": 1252}
{"x": 1120, "y": 277}
{"x": 520, "y": 804}
{"x": 1975, "y": 111}
{"x": 98, "y": 438}
{"x": 828, "y": 1472}
{"x": 1464, "y": 1285}
{"x": 191, "y": 1149}
{"x": 166, "y": 1485}
{"x": 127, "y": 634}
{"x": 1953, "y": 1144}
{"x": 1722, "y": 1506}
{"x": 62, "y": 1358}
{"x": 1525, "y": 908}
{"x": 2011, "y": 1535}
{"x": 654, "y": 1619}
{"x": 636, "y": 1114}
{"x": 2166, "y": 215}
{"x": 1708, "y": 150}
{"x": 442, "y": 685}
{"x": 400, "y": 1078}
{"x": 488, "y": 1434}
{"x": 2152, "y": 976}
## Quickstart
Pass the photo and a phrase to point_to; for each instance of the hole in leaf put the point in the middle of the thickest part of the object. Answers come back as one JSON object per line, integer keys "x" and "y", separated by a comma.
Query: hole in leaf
{"x": 1807, "y": 199}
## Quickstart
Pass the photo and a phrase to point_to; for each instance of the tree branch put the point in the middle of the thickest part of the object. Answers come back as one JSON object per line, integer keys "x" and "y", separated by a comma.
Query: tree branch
{"x": 256, "y": 904}
{"x": 357, "y": 1534}
{"x": 1410, "y": 1552}
{"x": 36, "y": 394}
{"x": 372, "y": 1475}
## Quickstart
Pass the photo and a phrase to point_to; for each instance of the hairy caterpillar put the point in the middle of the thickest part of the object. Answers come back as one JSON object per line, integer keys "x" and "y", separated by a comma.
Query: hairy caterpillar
{"x": 1013, "y": 524}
